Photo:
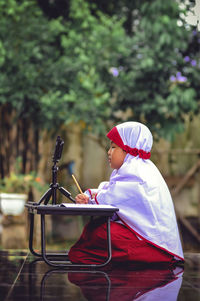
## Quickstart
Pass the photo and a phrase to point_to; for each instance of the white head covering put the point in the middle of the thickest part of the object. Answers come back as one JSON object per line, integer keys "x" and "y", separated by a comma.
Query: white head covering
{"x": 139, "y": 191}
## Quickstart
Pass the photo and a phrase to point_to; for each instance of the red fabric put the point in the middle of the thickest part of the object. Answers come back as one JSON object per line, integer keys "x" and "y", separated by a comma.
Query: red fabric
{"x": 92, "y": 246}
{"x": 114, "y": 136}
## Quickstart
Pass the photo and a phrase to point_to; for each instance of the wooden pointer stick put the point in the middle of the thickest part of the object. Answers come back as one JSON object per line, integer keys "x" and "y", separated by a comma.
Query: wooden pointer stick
{"x": 79, "y": 188}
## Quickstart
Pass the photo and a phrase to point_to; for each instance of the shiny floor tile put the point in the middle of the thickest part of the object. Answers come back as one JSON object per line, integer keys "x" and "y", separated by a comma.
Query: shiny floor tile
{"x": 22, "y": 277}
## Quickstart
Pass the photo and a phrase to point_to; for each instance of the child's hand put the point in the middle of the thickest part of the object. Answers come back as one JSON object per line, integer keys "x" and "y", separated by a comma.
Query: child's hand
{"x": 82, "y": 199}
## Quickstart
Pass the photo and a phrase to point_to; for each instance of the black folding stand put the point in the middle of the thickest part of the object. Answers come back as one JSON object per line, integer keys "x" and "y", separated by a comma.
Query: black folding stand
{"x": 60, "y": 260}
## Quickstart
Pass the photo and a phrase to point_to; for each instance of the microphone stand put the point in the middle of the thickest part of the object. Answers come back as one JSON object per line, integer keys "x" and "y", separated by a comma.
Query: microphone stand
{"x": 54, "y": 186}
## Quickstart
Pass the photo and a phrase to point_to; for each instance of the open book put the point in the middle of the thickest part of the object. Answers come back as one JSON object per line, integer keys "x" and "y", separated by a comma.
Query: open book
{"x": 88, "y": 206}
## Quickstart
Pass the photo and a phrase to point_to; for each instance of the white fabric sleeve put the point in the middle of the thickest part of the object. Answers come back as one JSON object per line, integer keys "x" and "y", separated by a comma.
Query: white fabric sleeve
{"x": 90, "y": 193}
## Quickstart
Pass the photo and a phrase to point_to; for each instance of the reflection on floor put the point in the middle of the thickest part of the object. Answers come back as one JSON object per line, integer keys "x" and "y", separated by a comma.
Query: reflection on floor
{"x": 24, "y": 278}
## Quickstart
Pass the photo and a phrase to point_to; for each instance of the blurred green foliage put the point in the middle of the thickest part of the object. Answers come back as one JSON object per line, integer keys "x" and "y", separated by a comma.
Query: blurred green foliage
{"x": 149, "y": 83}
{"x": 87, "y": 65}
{"x": 57, "y": 71}
{"x": 17, "y": 182}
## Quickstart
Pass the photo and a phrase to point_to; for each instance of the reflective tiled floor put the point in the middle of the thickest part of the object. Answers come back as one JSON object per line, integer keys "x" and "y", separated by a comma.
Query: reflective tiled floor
{"x": 24, "y": 278}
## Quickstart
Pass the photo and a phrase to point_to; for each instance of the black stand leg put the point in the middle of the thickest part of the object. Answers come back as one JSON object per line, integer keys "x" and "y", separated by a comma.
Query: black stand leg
{"x": 64, "y": 264}
{"x": 61, "y": 255}
{"x": 31, "y": 215}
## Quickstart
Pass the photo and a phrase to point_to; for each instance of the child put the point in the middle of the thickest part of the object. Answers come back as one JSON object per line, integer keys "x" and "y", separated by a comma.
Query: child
{"x": 145, "y": 227}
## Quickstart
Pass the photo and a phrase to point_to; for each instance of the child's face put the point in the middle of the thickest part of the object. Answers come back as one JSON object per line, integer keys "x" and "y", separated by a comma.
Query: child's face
{"x": 116, "y": 156}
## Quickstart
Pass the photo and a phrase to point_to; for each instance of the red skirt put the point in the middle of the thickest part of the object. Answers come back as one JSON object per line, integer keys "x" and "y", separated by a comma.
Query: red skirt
{"x": 126, "y": 246}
